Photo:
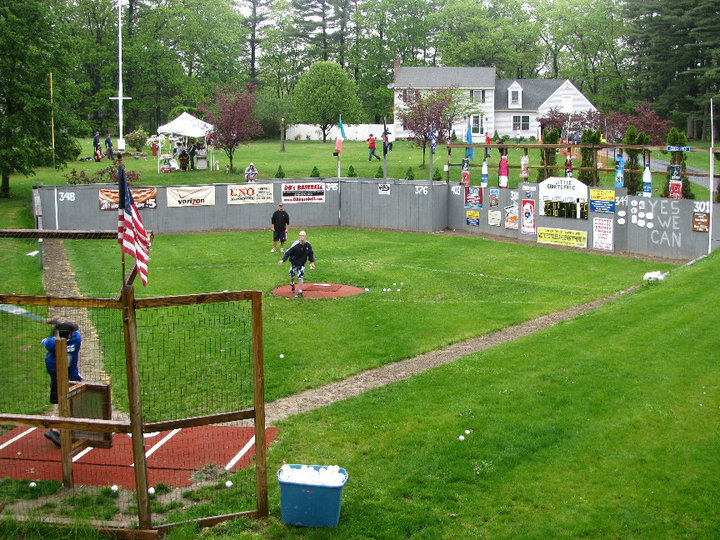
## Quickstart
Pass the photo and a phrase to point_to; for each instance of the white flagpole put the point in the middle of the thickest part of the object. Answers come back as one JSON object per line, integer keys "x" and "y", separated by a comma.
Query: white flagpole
{"x": 120, "y": 97}
{"x": 712, "y": 175}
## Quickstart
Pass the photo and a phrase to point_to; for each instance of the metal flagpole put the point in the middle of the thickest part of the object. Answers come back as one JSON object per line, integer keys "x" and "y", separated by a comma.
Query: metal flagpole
{"x": 712, "y": 175}
{"x": 52, "y": 137}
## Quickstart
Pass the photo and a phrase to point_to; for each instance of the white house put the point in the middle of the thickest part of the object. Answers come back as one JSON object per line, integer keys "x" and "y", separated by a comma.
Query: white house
{"x": 508, "y": 106}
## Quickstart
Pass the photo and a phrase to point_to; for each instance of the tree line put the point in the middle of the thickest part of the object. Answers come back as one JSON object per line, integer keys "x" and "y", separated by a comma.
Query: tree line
{"x": 178, "y": 53}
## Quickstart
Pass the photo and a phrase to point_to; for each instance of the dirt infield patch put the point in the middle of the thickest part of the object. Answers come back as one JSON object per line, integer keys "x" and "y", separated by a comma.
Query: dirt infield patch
{"x": 320, "y": 290}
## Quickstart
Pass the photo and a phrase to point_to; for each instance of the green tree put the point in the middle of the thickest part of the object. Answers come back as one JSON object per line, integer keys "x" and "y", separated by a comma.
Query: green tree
{"x": 585, "y": 41}
{"x": 282, "y": 60}
{"x": 664, "y": 55}
{"x": 633, "y": 180}
{"x": 33, "y": 44}
{"x": 470, "y": 33}
{"x": 588, "y": 156}
{"x": 323, "y": 94}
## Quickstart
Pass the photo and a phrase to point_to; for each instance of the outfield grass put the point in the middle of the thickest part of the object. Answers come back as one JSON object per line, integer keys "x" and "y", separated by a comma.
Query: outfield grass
{"x": 602, "y": 427}
{"x": 451, "y": 288}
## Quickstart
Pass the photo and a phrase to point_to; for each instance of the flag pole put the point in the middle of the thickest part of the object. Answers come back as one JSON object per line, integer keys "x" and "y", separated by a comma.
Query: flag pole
{"x": 121, "y": 209}
{"x": 385, "y": 149}
{"x": 712, "y": 176}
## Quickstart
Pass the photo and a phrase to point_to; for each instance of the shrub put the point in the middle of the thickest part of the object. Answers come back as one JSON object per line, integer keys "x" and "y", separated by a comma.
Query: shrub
{"x": 108, "y": 175}
{"x": 137, "y": 139}
{"x": 315, "y": 172}
{"x": 280, "y": 173}
{"x": 379, "y": 173}
{"x": 351, "y": 172}
{"x": 410, "y": 175}
{"x": 436, "y": 174}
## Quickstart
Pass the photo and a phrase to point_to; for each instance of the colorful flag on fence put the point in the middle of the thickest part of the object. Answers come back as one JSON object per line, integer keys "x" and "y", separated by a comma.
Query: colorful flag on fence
{"x": 341, "y": 136}
{"x": 469, "y": 150}
{"x": 433, "y": 140}
{"x": 132, "y": 236}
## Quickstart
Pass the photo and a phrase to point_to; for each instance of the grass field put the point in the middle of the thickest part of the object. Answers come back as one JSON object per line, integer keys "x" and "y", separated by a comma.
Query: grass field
{"x": 601, "y": 427}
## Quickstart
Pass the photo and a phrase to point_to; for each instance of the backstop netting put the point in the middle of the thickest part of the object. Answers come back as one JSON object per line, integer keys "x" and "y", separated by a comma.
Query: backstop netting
{"x": 197, "y": 369}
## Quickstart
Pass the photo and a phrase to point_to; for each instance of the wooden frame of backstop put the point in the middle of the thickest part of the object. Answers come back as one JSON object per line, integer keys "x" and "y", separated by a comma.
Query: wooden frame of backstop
{"x": 129, "y": 305}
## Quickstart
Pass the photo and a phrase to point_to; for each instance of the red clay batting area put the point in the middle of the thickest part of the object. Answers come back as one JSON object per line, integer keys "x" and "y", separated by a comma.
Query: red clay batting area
{"x": 320, "y": 290}
{"x": 25, "y": 454}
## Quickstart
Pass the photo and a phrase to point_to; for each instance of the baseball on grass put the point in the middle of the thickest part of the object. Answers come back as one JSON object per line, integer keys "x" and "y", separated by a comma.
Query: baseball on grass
{"x": 461, "y": 438}
{"x": 114, "y": 487}
{"x": 282, "y": 356}
{"x": 151, "y": 491}
{"x": 228, "y": 483}
{"x": 32, "y": 484}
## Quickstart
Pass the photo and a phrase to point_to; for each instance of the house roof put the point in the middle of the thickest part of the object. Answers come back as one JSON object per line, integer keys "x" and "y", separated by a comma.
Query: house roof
{"x": 534, "y": 91}
{"x": 442, "y": 77}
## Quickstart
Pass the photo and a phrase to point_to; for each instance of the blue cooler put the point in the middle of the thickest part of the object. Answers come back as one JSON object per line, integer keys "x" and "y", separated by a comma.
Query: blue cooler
{"x": 309, "y": 505}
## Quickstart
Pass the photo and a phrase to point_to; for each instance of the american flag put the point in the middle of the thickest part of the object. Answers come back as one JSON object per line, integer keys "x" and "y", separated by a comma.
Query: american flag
{"x": 433, "y": 140}
{"x": 132, "y": 236}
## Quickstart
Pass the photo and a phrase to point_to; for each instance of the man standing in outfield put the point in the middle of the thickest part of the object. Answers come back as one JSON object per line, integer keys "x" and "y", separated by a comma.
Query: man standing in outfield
{"x": 279, "y": 223}
{"x": 298, "y": 254}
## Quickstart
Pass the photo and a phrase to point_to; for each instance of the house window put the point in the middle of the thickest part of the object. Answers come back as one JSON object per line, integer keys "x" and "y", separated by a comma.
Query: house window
{"x": 477, "y": 96}
{"x": 514, "y": 97}
{"x": 521, "y": 122}
{"x": 477, "y": 124}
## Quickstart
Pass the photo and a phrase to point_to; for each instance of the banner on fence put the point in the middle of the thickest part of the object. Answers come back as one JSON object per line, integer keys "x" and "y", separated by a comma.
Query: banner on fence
{"x": 528, "y": 217}
{"x": 472, "y": 217}
{"x": 250, "y": 193}
{"x": 562, "y": 237}
{"x": 178, "y": 197}
{"x": 603, "y": 234}
{"x": 602, "y": 200}
{"x": 312, "y": 192}
{"x": 473, "y": 197}
{"x": 144, "y": 198}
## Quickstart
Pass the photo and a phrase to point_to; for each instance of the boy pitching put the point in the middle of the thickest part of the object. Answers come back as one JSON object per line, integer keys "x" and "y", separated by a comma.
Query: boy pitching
{"x": 298, "y": 254}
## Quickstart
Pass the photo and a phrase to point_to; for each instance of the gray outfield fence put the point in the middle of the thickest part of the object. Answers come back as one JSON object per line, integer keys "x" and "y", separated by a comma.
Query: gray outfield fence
{"x": 558, "y": 211}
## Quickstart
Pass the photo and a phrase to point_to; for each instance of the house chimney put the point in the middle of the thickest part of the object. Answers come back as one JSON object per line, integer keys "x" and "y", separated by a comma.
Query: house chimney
{"x": 395, "y": 69}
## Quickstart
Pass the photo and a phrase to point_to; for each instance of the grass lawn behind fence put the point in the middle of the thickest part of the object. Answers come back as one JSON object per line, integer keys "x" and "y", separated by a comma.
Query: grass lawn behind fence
{"x": 300, "y": 157}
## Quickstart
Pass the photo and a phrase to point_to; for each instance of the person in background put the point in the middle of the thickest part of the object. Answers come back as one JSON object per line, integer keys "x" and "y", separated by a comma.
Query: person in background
{"x": 371, "y": 148}
{"x": 298, "y": 254}
{"x": 108, "y": 146}
{"x": 280, "y": 224}
{"x": 191, "y": 152}
{"x": 251, "y": 173}
{"x": 96, "y": 141}
{"x": 69, "y": 331}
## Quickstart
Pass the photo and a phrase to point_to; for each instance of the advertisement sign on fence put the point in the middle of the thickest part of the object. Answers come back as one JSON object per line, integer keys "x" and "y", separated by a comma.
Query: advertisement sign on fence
{"x": 144, "y": 198}
{"x": 603, "y": 234}
{"x": 309, "y": 192}
{"x": 249, "y": 193}
{"x": 178, "y": 197}
{"x": 562, "y": 237}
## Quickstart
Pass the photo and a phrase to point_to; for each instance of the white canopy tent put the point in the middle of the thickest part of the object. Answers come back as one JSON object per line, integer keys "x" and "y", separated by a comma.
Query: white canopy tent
{"x": 185, "y": 125}
{"x": 188, "y": 126}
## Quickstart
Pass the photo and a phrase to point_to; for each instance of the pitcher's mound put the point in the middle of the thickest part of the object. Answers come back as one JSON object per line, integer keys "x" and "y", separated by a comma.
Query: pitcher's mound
{"x": 320, "y": 290}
